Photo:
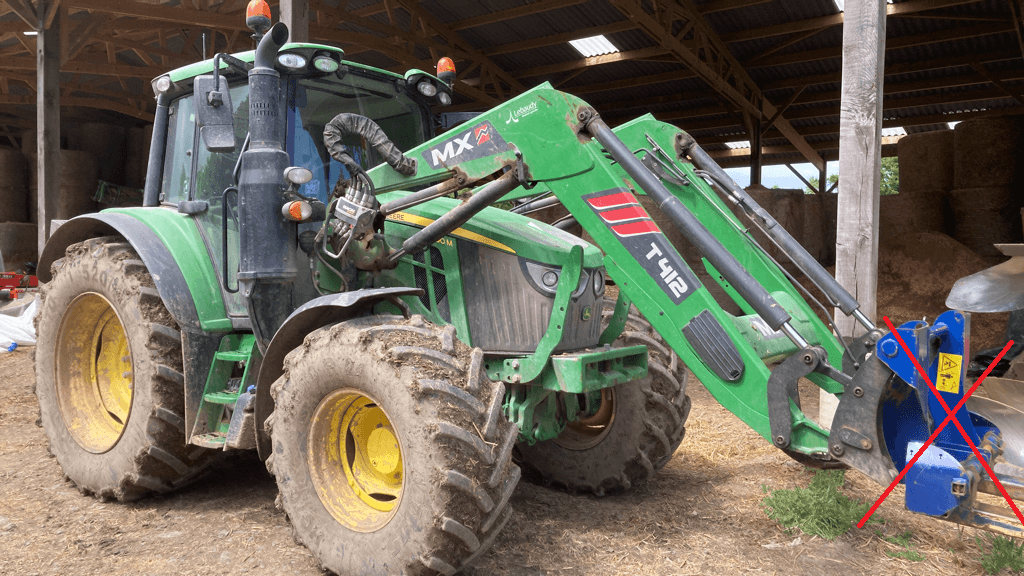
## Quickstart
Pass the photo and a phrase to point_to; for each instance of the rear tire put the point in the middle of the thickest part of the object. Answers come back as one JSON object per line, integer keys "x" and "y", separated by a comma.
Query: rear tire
{"x": 622, "y": 447}
{"x": 109, "y": 376}
{"x": 390, "y": 448}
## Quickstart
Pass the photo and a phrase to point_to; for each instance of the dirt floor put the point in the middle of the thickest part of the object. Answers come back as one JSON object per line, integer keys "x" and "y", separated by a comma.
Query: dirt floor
{"x": 701, "y": 515}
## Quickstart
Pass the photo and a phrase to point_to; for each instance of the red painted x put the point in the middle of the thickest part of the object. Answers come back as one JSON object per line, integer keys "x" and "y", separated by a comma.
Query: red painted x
{"x": 949, "y": 418}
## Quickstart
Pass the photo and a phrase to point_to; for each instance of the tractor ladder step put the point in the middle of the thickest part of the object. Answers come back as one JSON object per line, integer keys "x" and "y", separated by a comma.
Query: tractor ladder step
{"x": 232, "y": 356}
{"x": 215, "y": 440}
{"x": 227, "y": 396}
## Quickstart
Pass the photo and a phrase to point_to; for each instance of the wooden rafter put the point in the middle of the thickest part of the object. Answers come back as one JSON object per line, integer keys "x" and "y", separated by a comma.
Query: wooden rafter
{"x": 959, "y": 33}
{"x": 517, "y": 12}
{"x": 24, "y": 10}
{"x": 590, "y": 62}
{"x": 707, "y": 56}
{"x": 160, "y": 13}
{"x": 1017, "y": 11}
{"x": 823, "y": 22}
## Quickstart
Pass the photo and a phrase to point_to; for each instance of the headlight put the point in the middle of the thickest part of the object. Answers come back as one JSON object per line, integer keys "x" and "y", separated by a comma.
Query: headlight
{"x": 444, "y": 98}
{"x": 598, "y": 282}
{"x": 297, "y": 175}
{"x": 292, "y": 61}
{"x": 427, "y": 88}
{"x": 325, "y": 64}
{"x": 162, "y": 84}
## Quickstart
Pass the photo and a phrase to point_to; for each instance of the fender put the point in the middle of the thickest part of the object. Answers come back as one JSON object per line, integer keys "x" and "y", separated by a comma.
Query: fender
{"x": 316, "y": 313}
{"x": 166, "y": 274}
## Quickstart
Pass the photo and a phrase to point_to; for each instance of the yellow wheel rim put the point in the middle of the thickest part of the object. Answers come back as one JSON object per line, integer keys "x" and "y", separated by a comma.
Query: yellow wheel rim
{"x": 355, "y": 460}
{"x": 93, "y": 373}
{"x": 590, "y": 429}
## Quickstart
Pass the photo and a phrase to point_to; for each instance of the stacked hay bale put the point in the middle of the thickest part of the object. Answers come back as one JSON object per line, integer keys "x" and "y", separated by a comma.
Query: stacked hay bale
{"x": 78, "y": 177}
{"x": 926, "y": 177}
{"x": 106, "y": 142}
{"x": 786, "y": 205}
{"x": 13, "y": 189}
{"x": 987, "y": 182}
{"x": 137, "y": 156}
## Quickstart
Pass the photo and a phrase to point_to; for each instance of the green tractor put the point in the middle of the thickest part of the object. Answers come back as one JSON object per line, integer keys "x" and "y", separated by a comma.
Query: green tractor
{"x": 313, "y": 275}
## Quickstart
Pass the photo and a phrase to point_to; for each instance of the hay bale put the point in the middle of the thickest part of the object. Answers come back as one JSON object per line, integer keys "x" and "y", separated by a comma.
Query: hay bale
{"x": 814, "y": 227}
{"x": 830, "y": 223}
{"x": 79, "y": 176}
{"x": 18, "y": 244}
{"x": 138, "y": 155}
{"x": 786, "y": 206}
{"x": 13, "y": 191}
{"x": 926, "y": 161}
{"x": 908, "y": 212}
{"x": 106, "y": 142}
{"x": 988, "y": 152}
{"x": 986, "y": 216}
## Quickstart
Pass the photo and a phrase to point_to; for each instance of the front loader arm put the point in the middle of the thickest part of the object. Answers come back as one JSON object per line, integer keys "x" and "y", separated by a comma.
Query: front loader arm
{"x": 886, "y": 413}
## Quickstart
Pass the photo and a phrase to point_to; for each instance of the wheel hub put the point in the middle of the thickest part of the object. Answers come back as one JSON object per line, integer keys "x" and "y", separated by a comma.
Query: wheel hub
{"x": 93, "y": 373}
{"x": 355, "y": 460}
{"x": 593, "y": 426}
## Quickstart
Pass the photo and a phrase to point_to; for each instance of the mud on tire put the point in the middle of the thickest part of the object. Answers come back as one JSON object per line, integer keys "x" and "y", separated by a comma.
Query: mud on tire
{"x": 351, "y": 391}
{"x": 109, "y": 376}
{"x": 639, "y": 437}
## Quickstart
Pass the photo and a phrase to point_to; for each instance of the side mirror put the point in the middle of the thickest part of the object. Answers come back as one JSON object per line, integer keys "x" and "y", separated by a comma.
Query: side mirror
{"x": 214, "y": 112}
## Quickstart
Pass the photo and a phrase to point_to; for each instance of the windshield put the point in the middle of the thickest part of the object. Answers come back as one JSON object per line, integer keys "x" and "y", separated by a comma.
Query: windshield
{"x": 313, "y": 102}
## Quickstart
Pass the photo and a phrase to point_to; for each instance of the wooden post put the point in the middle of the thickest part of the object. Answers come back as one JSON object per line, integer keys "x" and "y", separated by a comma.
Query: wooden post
{"x": 860, "y": 156}
{"x": 755, "y": 152}
{"x": 48, "y": 163}
{"x": 822, "y": 179}
{"x": 295, "y": 14}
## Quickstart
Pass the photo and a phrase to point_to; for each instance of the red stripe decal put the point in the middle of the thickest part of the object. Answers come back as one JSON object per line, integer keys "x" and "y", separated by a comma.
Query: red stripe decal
{"x": 628, "y": 213}
{"x": 633, "y": 228}
{"x": 620, "y": 199}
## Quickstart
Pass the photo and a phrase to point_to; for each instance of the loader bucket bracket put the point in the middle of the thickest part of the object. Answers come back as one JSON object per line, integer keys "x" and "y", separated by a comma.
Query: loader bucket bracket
{"x": 856, "y": 437}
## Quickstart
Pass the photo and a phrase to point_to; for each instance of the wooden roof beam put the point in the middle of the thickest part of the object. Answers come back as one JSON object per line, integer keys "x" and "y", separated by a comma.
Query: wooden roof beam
{"x": 959, "y": 33}
{"x": 1017, "y": 10}
{"x": 822, "y": 22}
{"x": 92, "y": 68}
{"x": 24, "y": 10}
{"x": 562, "y": 38}
{"x": 710, "y": 59}
{"x": 589, "y": 62}
{"x": 161, "y": 13}
{"x": 517, "y": 12}
{"x": 723, "y": 5}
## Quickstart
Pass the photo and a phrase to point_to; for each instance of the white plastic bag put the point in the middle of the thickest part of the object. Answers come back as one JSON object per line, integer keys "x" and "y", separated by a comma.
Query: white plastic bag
{"x": 18, "y": 329}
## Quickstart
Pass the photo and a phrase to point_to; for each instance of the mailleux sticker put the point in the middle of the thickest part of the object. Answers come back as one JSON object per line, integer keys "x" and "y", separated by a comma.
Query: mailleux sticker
{"x": 467, "y": 144}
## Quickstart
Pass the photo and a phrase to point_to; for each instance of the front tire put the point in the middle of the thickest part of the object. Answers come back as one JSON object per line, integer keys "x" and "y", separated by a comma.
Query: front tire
{"x": 109, "y": 376}
{"x": 390, "y": 448}
{"x": 633, "y": 433}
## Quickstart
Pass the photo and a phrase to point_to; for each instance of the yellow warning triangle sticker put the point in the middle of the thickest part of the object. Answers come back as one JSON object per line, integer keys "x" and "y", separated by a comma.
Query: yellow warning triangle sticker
{"x": 948, "y": 378}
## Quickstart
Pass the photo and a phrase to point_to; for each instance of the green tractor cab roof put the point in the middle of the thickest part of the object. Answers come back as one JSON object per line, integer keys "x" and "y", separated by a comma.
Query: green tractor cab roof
{"x": 179, "y": 81}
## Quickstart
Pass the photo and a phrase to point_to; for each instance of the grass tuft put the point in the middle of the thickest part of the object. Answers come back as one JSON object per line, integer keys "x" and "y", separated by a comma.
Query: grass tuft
{"x": 902, "y": 540}
{"x": 820, "y": 509}
{"x": 1004, "y": 554}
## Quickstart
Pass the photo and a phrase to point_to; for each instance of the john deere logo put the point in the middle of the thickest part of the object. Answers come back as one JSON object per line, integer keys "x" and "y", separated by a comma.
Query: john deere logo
{"x": 586, "y": 313}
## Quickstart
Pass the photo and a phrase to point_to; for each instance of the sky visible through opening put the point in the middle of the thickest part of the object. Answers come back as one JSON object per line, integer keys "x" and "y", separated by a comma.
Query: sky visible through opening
{"x": 780, "y": 175}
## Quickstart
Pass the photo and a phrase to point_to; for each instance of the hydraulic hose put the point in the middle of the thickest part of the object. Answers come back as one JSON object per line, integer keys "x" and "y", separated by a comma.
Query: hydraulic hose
{"x": 685, "y": 145}
{"x": 361, "y": 125}
{"x": 742, "y": 281}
